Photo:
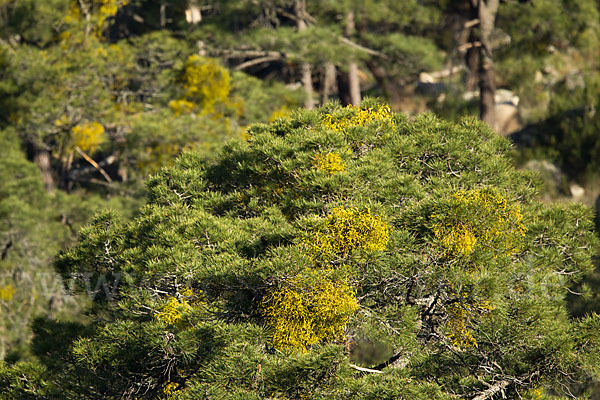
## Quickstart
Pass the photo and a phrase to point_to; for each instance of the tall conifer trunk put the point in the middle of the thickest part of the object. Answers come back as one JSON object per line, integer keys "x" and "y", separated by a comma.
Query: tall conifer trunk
{"x": 391, "y": 89}
{"x": 353, "y": 81}
{"x": 305, "y": 69}
{"x": 329, "y": 84}
{"x": 472, "y": 61}
{"x": 486, "y": 11}
{"x": 41, "y": 157}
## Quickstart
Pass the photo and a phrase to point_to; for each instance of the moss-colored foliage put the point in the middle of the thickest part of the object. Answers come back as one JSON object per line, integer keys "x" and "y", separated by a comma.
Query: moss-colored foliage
{"x": 34, "y": 225}
{"x": 134, "y": 104}
{"x": 91, "y": 15}
{"x": 175, "y": 308}
{"x": 241, "y": 227}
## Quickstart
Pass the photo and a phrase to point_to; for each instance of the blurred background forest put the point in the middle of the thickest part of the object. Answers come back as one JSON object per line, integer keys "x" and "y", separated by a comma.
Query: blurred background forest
{"x": 95, "y": 95}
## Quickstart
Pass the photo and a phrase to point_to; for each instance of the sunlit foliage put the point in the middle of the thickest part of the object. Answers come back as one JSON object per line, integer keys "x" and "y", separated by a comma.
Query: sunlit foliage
{"x": 7, "y": 292}
{"x": 301, "y": 272}
{"x": 88, "y": 136}
{"x": 205, "y": 82}
{"x": 460, "y": 312}
{"x": 480, "y": 218}
{"x": 307, "y": 309}
{"x": 331, "y": 163}
{"x": 347, "y": 229}
{"x": 177, "y": 306}
{"x": 356, "y": 116}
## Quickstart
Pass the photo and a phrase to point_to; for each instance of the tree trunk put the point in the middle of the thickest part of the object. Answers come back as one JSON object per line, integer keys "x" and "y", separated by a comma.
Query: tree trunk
{"x": 85, "y": 9}
{"x": 163, "y": 14}
{"x": 391, "y": 90}
{"x": 353, "y": 81}
{"x": 328, "y": 85}
{"x": 305, "y": 69}
{"x": 309, "y": 101}
{"x": 487, "y": 85}
{"x": 468, "y": 43}
{"x": 41, "y": 157}
{"x": 472, "y": 61}
{"x": 344, "y": 89}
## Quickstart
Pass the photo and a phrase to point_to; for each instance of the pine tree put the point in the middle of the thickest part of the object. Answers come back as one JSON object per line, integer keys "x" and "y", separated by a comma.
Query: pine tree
{"x": 92, "y": 110}
{"x": 267, "y": 271}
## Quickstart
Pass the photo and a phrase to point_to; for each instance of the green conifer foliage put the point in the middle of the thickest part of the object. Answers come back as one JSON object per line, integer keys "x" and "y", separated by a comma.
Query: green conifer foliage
{"x": 221, "y": 295}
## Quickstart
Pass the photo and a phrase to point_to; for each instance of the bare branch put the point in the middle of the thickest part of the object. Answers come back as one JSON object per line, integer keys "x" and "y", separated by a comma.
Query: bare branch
{"x": 466, "y": 46}
{"x": 231, "y": 53}
{"x": 362, "y": 48}
{"x": 256, "y": 61}
{"x": 471, "y": 23}
{"x": 363, "y": 369}
{"x": 492, "y": 390}
{"x": 94, "y": 164}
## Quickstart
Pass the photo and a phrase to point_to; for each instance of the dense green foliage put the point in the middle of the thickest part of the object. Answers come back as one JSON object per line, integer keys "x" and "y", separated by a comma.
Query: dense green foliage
{"x": 218, "y": 241}
{"x": 281, "y": 260}
{"x": 34, "y": 226}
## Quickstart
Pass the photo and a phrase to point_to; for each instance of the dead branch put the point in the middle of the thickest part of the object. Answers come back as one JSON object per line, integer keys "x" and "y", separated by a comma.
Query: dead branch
{"x": 94, "y": 164}
{"x": 363, "y": 369}
{"x": 256, "y": 61}
{"x": 361, "y": 47}
{"x": 492, "y": 390}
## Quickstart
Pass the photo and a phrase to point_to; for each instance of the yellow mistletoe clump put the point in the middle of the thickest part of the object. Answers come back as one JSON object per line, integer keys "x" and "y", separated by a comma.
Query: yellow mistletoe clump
{"x": 176, "y": 307}
{"x": 480, "y": 217}
{"x": 281, "y": 112}
{"x": 456, "y": 239}
{"x": 7, "y": 293}
{"x": 309, "y": 309}
{"x": 348, "y": 229}
{"x": 459, "y": 314}
{"x": 205, "y": 82}
{"x": 360, "y": 117}
{"x": 99, "y": 11}
{"x": 88, "y": 136}
{"x": 171, "y": 389}
{"x": 329, "y": 162}
{"x": 181, "y": 106}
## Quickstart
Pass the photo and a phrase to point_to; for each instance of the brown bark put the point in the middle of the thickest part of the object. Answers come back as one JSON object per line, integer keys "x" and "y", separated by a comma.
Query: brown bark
{"x": 344, "y": 89}
{"x": 353, "y": 80}
{"x": 305, "y": 71}
{"x": 328, "y": 85}
{"x": 487, "y": 84}
{"x": 468, "y": 42}
{"x": 41, "y": 157}
{"x": 391, "y": 90}
{"x": 472, "y": 61}
{"x": 305, "y": 68}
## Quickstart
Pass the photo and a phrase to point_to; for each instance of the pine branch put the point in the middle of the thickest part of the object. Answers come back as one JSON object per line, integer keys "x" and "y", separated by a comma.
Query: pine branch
{"x": 94, "y": 164}
{"x": 363, "y": 369}
{"x": 492, "y": 390}
{"x": 362, "y": 48}
{"x": 256, "y": 61}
